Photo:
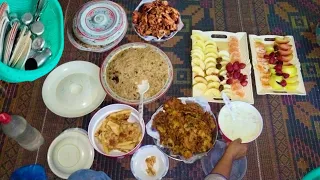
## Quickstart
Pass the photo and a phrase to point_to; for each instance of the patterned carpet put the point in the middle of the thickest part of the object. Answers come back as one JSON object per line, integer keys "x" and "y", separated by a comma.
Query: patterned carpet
{"x": 289, "y": 146}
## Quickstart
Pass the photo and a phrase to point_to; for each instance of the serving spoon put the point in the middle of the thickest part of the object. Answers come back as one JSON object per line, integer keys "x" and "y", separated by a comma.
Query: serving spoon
{"x": 142, "y": 89}
{"x": 227, "y": 101}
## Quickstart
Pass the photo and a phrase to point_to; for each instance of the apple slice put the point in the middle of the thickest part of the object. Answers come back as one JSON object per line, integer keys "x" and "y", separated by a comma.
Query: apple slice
{"x": 291, "y": 70}
{"x": 200, "y": 79}
{"x": 274, "y": 82}
{"x": 200, "y": 86}
{"x": 198, "y": 44}
{"x": 213, "y": 78}
{"x": 224, "y": 63}
{"x": 208, "y": 50}
{"x": 292, "y": 86}
{"x": 210, "y": 65}
{"x": 198, "y": 71}
{"x": 285, "y": 52}
{"x": 291, "y": 80}
{"x": 223, "y": 68}
{"x": 212, "y": 54}
{"x": 212, "y": 71}
{"x": 214, "y": 85}
{"x": 223, "y": 72}
{"x": 226, "y": 58}
{"x": 210, "y": 59}
{"x": 210, "y": 42}
{"x": 196, "y": 60}
{"x": 282, "y": 40}
{"x": 224, "y": 53}
{"x": 212, "y": 93}
{"x": 197, "y": 54}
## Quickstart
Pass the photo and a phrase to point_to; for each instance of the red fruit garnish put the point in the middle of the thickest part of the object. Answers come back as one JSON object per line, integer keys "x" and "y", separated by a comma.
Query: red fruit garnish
{"x": 236, "y": 75}
{"x": 229, "y": 74}
{"x": 244, "y": 83}
{"x": 283, "y": 83}
{"x": 229, "y": 81}
{"x": 236, "y": 66}
{"x": 272, "y": 55}
{"x": 279, "y": 58}
{"x": 285, "y": 75}
{"x": 279, "y": 74}
{"x": 240, "y": 77}
{"x": 245, "y": 76}
{"x": 278, "y": 67}
{"x": 280, "y": 62}
{"x": 275, "y": 47}
{"x": 242, "y": 65}
{"x": 266, "y": 56}
{"x": 229, "y": 67}
{"x": 279, "y": 71}
{"x": 277, "y": 54}
{"x": 272, "y": 61}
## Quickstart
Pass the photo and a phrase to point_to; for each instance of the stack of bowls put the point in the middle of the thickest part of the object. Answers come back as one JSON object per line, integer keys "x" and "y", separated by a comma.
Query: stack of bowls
{"x": 99, "y": 26}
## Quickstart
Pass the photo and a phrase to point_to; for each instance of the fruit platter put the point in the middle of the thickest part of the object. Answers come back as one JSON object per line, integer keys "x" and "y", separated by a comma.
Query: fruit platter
{"x": 276, "y": 65}
{"x": 220, "y": 64}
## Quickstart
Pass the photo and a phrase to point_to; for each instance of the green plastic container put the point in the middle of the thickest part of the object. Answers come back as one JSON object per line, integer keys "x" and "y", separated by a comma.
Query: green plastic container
{"x": 52, "y": 18}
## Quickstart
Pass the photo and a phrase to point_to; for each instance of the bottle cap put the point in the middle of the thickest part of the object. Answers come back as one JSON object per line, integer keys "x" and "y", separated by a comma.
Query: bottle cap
{"x": 5, "y": 118}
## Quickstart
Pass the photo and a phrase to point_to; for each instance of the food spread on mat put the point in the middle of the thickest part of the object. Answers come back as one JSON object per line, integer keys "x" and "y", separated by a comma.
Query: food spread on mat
{"x": 130, "y": 66}
{"x": 156, "y": 19}
{"x": 186, "y": 129}
{"x": 275, "y": 63}
{"x": 150, "y": 161}
{"x": 216, "y": 70}
{"x": 116, "y": 133}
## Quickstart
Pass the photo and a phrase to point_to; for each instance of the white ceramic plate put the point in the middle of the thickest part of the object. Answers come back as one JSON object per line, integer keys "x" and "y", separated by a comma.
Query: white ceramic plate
{"x": 139, "y": 166}
{"x": 9, "y": 42}
{"x": 4, "y": 27}
{"x": 21, "y": 61}
{"x": 73, "y": 89}
{"x": 97, "y": 120}
{"x": 16, "y": 48}
{"x": 69, "y": 152}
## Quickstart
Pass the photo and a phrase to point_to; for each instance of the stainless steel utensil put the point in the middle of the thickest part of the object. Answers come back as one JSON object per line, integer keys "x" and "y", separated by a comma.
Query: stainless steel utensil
{"x": 38, "y": 59}
{"x": 38, "y": 43}
{"x": 27, "y": 18}
{"x": 41, "y": 6}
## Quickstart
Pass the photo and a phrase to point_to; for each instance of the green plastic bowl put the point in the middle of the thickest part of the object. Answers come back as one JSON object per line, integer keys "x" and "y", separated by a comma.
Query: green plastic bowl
{"x": 52, "y": 19}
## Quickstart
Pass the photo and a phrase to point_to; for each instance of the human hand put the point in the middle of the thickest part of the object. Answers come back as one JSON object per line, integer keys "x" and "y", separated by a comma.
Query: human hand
{"x": 236, "y": 150}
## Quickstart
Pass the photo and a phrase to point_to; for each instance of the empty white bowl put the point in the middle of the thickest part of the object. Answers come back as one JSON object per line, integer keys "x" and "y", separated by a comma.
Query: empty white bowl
{"x": 73, "y": 89}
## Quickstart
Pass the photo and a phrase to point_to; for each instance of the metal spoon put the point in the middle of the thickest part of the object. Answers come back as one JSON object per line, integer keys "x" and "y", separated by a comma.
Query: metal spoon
{"x": 142, "y": 89}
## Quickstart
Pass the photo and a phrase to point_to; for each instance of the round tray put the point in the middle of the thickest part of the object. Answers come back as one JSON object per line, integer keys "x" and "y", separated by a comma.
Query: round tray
{"x": 167, "y": 151}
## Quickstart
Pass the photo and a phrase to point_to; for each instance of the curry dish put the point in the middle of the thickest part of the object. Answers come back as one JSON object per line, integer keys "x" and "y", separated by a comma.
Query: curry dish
{"x": 129, "y": 67}
{"x": 185, "y": 128}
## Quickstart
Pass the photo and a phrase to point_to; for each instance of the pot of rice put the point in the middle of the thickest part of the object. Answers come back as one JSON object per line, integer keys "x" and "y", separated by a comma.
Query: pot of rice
{"x": 126, "y": 66}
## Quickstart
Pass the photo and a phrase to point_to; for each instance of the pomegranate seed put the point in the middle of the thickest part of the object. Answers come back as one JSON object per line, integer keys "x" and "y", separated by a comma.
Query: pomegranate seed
{"x": 229, "y": 67}
{"x": 229, "y": 74}
{"x": 277, "y": 54}
{"x": 275, "y": 47}
{"x": 280, "y": 62}
{"x": 236, "y": 66}
{"x": 245, "y": 76}
{"x": 236, "y": 75}
{"x": 279, "y": 71}
{"x": 285, "y": 75}
{"x": 279, "y": 74}
{"x": 242, "y": 65}
{"x": 283, "y": 83}
{"x": 278, "y": 67}
{"x": 229, "y": 81}
{"x": 244, "y": 83}
{"x": 272, "y": 55}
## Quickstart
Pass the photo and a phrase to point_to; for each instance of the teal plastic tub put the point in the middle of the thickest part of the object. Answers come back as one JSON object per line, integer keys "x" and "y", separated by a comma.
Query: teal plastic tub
{"x": 52, "y": 18}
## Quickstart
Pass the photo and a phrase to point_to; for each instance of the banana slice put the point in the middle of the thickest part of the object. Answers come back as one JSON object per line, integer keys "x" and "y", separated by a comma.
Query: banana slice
{"x": 208, "y": 42}
{"x": 226, "y": 58}
{"x": 210, "y": 50}
{"x": 200, "y": 86}
{"x": 224, "y": 63}
{"x": 224, "y": 53}
{"x": 223, "y": 82}
{"x": 223, "y": 72}
{"x": 227, "y": 86}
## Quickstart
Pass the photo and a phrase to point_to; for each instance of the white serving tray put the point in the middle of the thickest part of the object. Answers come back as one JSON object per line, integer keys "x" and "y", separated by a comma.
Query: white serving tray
{"x": 222, "y": 39}
{"x": 267, "y": 39}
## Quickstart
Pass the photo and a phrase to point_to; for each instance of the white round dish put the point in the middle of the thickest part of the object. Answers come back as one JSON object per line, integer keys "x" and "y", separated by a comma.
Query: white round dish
{"x": 99, "y": 117}
{"x": 21, "y": 61}
{"x": 9, "y": 42}
{"x": 3, "y": 31}
{"x": 69, "y": 152}
{"x": 139, "y": 166}
{"x": 99, "y": 22}
{"x": 247, "y": 125}
{"x": 73, "y": 89}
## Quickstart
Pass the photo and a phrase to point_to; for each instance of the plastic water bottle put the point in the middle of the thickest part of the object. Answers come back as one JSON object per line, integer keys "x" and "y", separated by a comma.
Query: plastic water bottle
{"x": 17, "y": 128}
